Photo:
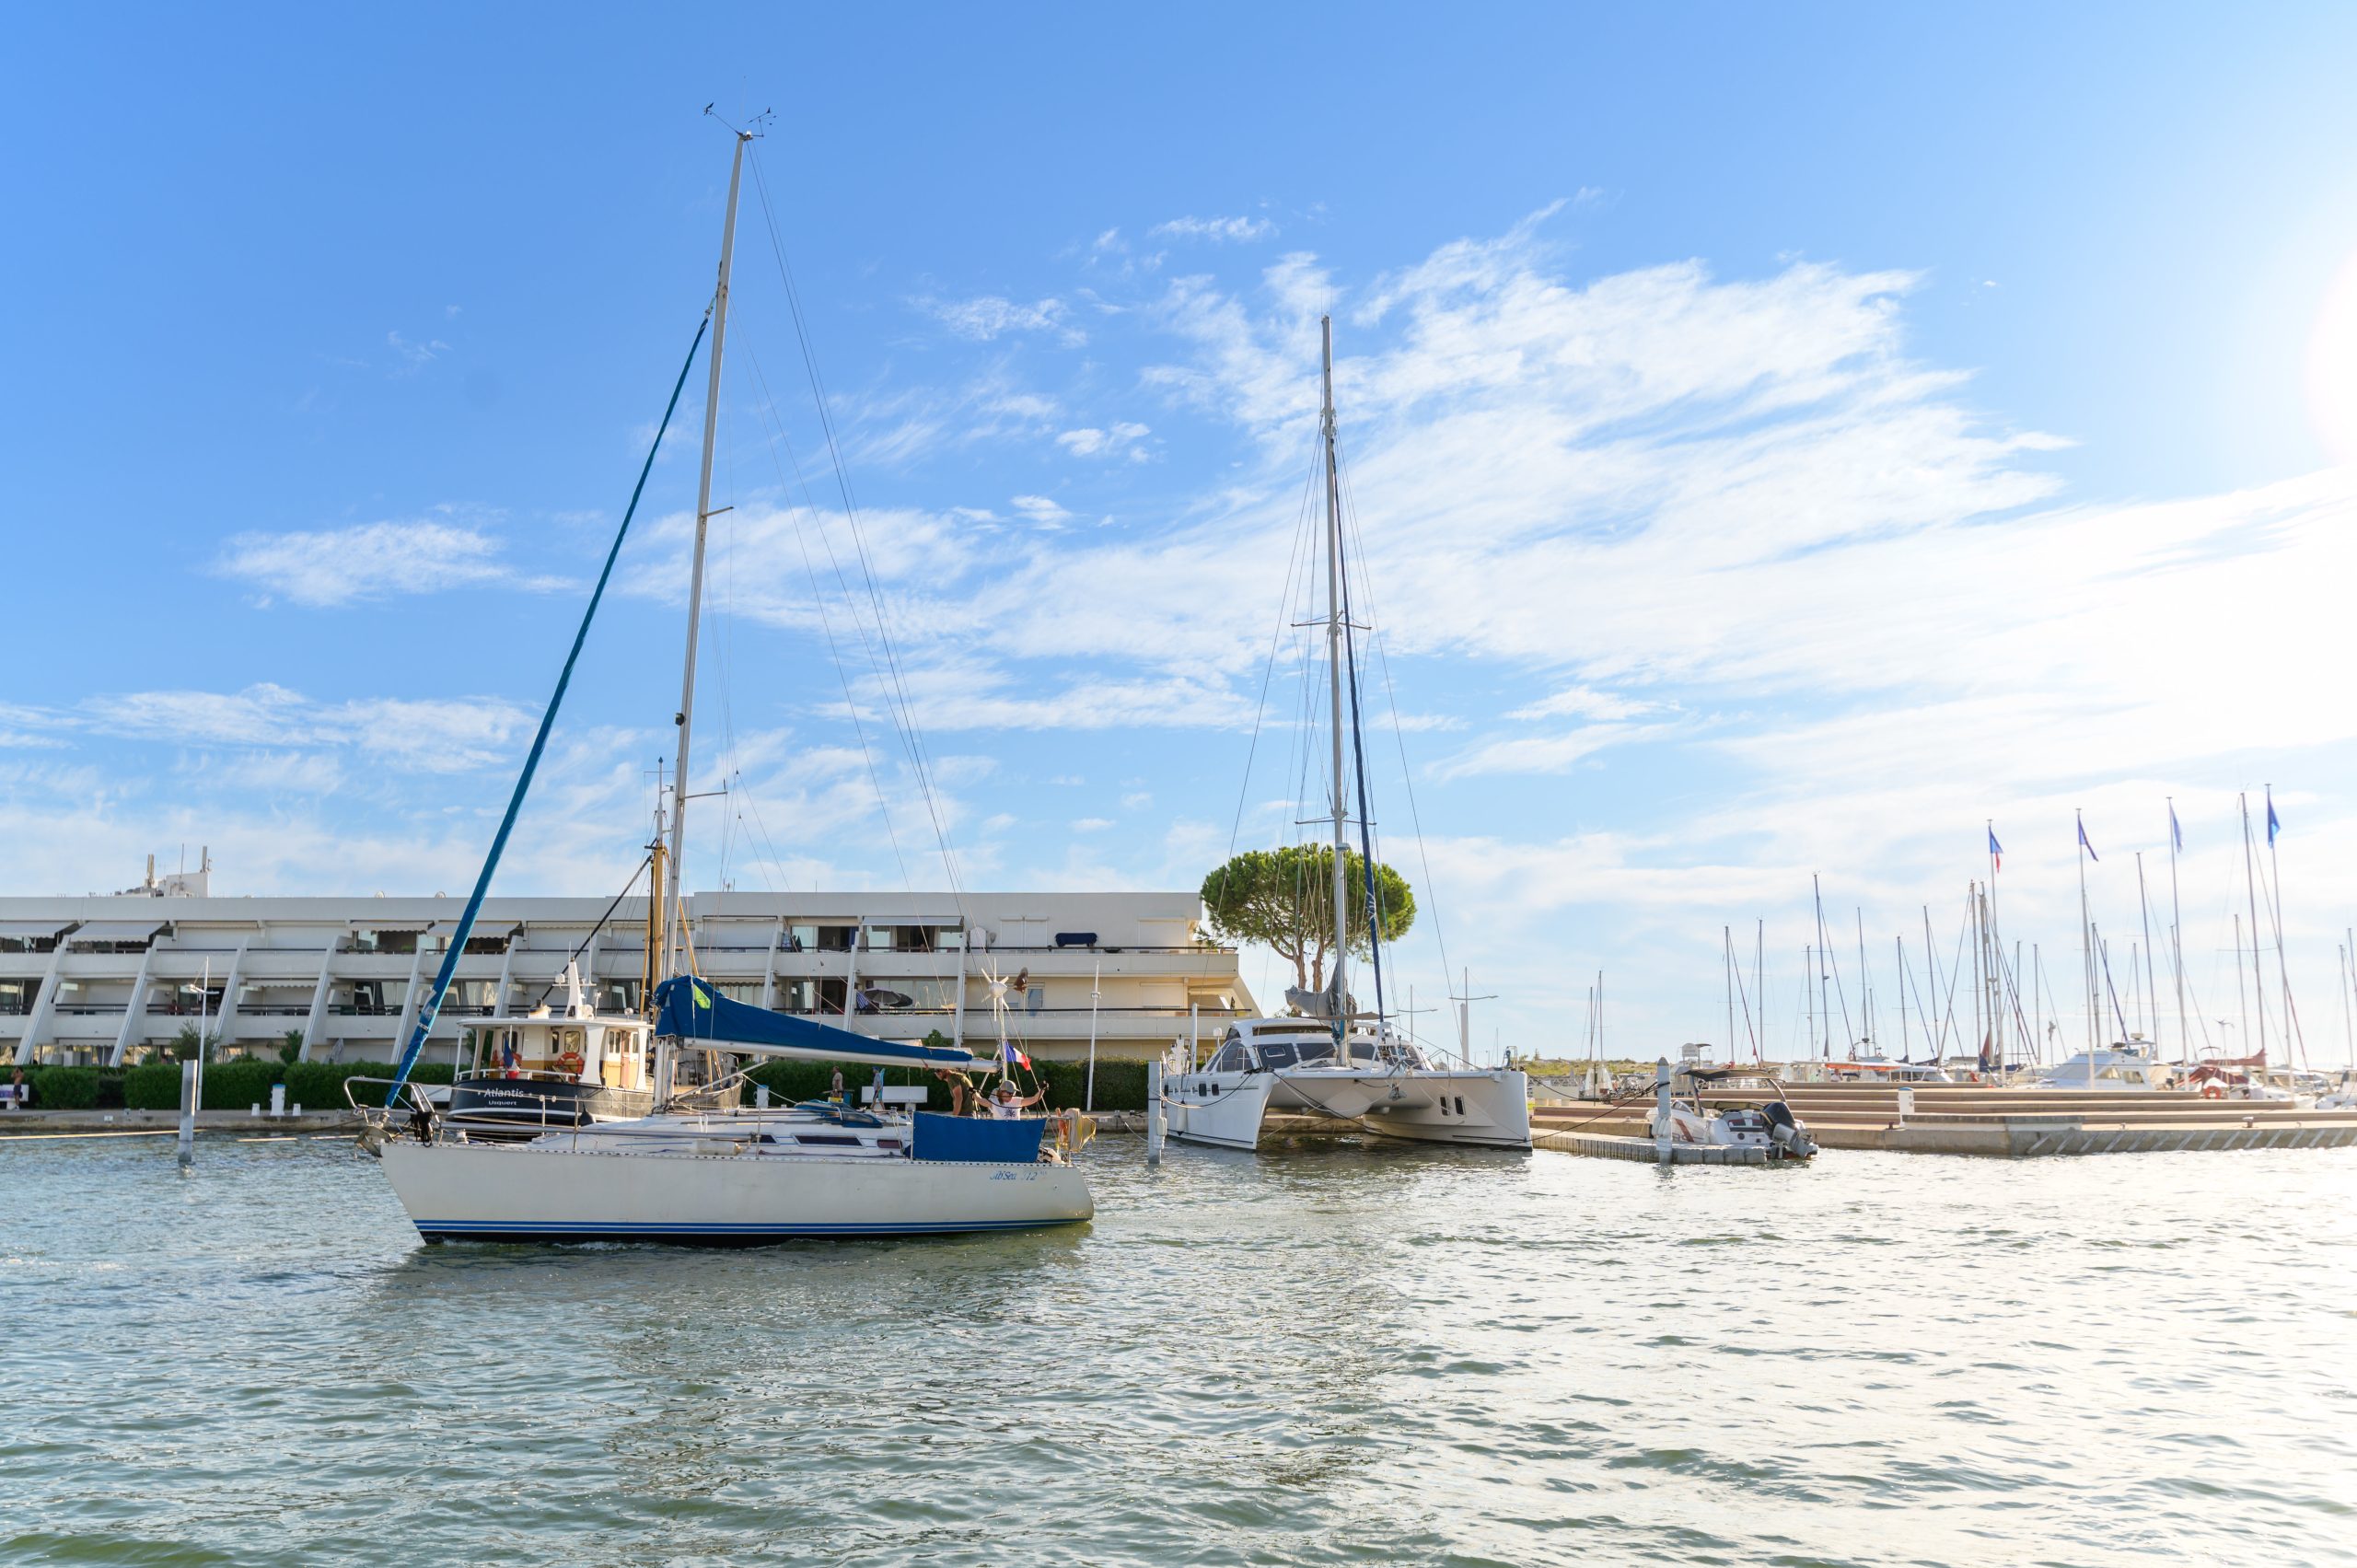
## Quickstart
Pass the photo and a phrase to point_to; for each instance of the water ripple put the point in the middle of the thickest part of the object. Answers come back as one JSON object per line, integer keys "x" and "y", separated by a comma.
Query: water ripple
{"x": 1317, "y": 1357}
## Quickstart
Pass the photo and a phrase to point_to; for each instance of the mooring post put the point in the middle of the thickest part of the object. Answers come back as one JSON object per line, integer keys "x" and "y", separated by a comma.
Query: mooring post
{"x": 1153, "y": 1124}
{"x": 1661, "y": 1108}
{"x": 187, "y": 1111}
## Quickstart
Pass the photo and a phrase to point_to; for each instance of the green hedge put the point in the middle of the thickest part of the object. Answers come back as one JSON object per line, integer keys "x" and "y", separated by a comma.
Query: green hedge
{"x": 238, "y": 1086}
{"x": 1120, "y": 1082}
{"x": 63, "y": 1088}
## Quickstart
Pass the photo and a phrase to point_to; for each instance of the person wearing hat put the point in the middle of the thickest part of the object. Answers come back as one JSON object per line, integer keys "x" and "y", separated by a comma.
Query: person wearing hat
{"x": 1003, "y": 1103}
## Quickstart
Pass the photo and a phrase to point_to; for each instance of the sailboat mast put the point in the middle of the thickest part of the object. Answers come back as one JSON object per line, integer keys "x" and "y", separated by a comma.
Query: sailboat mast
{"x": 2257, "y": 975}
{"x": 1334, "y": 681}
{"x": 2177, "y": 943}
{"x": 2151, "y": 996}
{"x": 684, "y": 719}
{"x": 2087, "y": 947}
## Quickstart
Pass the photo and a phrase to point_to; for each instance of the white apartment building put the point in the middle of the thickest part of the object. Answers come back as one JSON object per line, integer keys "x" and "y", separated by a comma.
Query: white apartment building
{"x": 106, "y": 979}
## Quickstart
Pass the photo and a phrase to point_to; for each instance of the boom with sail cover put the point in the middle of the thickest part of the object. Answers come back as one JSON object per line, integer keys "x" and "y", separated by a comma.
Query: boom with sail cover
{"x": 690, "y": 1009}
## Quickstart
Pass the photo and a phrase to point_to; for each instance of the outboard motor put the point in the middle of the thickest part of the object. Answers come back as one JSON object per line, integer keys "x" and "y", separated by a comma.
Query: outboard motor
{"x": 1785, "y": 1131}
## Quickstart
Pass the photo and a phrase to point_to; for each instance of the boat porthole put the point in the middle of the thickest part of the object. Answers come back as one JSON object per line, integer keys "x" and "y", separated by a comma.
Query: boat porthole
{"x": 1460, "y": 1105}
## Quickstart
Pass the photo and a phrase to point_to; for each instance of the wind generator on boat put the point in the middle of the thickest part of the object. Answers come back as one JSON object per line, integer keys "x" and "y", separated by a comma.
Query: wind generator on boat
{"x": 1333, "y": 1060}
{"x": 696, "y": 1166}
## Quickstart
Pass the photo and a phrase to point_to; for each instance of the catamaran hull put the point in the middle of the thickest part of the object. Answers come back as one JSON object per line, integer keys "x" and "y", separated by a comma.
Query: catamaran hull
{"x": 465, "y": 1192}
{"x": 1490, "y": 1110}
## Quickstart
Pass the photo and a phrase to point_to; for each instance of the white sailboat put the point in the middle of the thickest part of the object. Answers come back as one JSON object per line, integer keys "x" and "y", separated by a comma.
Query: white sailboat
{"x": 1335, "y": 1062}
{"x": 701, "y": 1168}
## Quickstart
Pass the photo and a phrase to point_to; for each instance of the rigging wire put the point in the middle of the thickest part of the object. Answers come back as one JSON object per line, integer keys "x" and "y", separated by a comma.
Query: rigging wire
{"x": 896, "y": 699}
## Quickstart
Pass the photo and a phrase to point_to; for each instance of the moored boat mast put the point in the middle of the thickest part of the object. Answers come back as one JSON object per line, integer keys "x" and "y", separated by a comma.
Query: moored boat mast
{"x": 674, "y": 928}
{"x": 1334, "y": 683}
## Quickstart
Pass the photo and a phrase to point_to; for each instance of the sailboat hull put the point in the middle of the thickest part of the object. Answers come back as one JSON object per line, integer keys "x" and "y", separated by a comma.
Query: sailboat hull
{"x": 1474, "y": 1110}
{"x": 466, "y": 1191}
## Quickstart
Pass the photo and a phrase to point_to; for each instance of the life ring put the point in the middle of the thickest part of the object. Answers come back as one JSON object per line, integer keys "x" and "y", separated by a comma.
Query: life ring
{"x": 2213, "y": 1091}
{"x": 570, "y": 1063}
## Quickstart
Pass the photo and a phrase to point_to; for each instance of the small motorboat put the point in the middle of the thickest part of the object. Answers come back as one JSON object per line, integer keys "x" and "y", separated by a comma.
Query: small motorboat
{"x": 1767, "y": 1124}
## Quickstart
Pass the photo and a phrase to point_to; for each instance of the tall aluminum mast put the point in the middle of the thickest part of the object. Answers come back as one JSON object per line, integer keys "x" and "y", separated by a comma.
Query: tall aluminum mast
{"x": 1334, "y": 673}
{"x": 676, "y": 925}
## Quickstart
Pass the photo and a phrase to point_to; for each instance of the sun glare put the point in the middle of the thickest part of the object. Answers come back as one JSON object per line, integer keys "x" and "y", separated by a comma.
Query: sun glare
{"x": 2332, "y": 367}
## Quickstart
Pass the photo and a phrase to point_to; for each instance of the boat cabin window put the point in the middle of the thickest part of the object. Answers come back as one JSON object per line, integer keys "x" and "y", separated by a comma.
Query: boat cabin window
{"x": 1362, "y": 1050}
{"x": 1277, "y": 1053}
{"x": 1231, "y": 1057}
{"x": 1320, "y": 1048}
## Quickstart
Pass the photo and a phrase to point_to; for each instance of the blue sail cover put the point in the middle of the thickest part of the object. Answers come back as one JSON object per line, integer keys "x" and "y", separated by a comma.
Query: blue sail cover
{"x": 690, "y": 1008}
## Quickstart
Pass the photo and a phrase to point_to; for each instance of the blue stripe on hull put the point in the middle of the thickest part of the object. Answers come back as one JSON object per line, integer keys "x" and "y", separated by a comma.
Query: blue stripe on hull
{"x": 713, "y": 1235}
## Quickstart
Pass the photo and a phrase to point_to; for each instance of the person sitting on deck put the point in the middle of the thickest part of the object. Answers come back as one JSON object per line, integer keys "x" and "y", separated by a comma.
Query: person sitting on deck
{"x": 1003, "y": 1103}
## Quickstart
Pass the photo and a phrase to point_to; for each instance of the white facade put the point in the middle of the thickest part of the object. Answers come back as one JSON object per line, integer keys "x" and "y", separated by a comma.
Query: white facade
{"x": 106, "y": 979}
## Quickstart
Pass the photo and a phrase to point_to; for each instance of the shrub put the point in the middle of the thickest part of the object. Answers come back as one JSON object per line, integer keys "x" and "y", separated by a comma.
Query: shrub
{"x": 291, "y": 1049}
{"x": 235, "y": 1085}
{"x": 63, "y": 1088}
{"x": 318, "y": 1085}
{"x": 153, "y": 1085}
{"x": 1121, "y": 1082}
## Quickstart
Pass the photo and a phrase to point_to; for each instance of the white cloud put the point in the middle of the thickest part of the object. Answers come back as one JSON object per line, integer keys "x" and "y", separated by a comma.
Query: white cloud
{"x": 1091, "y": 824}
{"x": 409, "y": 733}
{"x": 986, "y": 317}
{"x": 331, "y": 566}
{"x": 415, "y": 354}
{"x": 1217, "y": 230}
{"x": 1090, "y": 442}
{"x": 1039, "y": 508}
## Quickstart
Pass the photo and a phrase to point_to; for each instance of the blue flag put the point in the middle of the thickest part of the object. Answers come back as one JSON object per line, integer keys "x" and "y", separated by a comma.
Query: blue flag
{"x": 2273, "y": 826}
{"x": 2176, "y": 834}
{"x": 2083, "y": 840}
{"x": 1996, "y": 852}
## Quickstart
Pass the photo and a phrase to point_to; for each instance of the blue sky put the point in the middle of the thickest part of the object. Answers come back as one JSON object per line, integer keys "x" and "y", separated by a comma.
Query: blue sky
{"x": 1781, "y": 441}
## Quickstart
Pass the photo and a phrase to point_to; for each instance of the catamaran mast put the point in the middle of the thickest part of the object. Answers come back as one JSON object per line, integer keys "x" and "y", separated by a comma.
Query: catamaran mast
{"x": 676, "y": 925}
{"x": 1334, "y": 680}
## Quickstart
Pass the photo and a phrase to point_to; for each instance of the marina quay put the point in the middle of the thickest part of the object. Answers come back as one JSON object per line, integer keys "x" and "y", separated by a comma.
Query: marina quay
{"x": 108, "y": 981}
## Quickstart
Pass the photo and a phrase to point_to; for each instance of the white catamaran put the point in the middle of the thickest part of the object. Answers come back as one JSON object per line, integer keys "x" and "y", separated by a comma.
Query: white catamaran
{"x": 1334, "y": 1060}
{"x": 699, "y": 1166}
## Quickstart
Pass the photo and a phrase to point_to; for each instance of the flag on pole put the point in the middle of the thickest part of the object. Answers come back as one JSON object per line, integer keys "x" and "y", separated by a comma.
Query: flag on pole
{"x": 2176, "y": 834}
{"x": 2273, "y": 826}
{"x": 1996, "y": 852}
{"x": 1009, "y": 1051}
{"x": 2083, "y": 840}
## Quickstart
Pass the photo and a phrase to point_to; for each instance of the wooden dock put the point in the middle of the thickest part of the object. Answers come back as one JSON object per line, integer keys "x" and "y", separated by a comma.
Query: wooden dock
{"x": 1622, "y": 1146}
{"x": 1963, "y": 1119}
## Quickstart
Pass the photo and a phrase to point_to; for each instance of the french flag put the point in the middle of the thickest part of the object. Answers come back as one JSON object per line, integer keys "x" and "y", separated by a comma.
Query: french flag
{"x": 1009, "y": 1051}
{"x": 1996, "y": 852}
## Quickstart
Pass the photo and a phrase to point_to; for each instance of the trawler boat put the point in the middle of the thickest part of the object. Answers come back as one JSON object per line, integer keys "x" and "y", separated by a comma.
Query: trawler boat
{"x": 2127, "y": 1067}
{"x": 1387, "y": 1084}
{"x": 521, "y": 1077}
{"x": 698, "y": 1167}
{"x": 1882, "y": 1070}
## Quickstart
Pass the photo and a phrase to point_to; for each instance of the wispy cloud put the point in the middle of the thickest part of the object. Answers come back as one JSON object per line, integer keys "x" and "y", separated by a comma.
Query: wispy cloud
{"x": 331, "y": 566}
{"x": 1121, "y": 439}
{"x": 415, "y": 354}
{"x": 989, "y": 316}
{"x": 1218, "y": 230}
{"x": 413, "y": 733}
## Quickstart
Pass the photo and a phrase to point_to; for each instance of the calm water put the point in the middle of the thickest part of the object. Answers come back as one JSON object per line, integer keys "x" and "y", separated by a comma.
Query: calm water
{"x": 1330, "y": 1356}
